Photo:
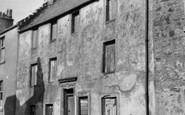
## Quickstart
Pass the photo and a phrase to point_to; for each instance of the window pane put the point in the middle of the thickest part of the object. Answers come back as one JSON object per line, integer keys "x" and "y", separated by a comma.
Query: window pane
{"x": 33, "y": 75}
{"x": 34, "y": 38}
{"x": 83, "y": 106}
{"x": 54, "y": 31}
{"x": 2, "y": 54}
{"x": 49, "y": 109}
{"x": 53, "y": 69}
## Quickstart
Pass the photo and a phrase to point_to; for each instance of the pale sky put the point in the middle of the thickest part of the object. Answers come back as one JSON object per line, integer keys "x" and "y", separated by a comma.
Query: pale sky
{"x": 21, "y": 8}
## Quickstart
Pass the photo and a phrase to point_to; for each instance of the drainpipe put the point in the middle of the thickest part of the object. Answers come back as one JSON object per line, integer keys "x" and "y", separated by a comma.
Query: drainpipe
{"x": 147, "y": 56}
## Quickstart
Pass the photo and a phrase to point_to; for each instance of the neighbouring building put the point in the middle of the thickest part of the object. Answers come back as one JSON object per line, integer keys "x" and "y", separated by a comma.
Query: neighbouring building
{"x": 102, "y": 57}
{"x": 6, "y": 19}
{"x": 8, "y": 64}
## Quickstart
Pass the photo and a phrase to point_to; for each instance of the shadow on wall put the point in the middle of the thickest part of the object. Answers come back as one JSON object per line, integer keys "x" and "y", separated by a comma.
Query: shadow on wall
{"x": 36, "y": 100}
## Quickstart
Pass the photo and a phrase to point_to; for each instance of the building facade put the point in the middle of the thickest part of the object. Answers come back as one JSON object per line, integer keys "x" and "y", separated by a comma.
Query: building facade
{"x": 103, "y": 57}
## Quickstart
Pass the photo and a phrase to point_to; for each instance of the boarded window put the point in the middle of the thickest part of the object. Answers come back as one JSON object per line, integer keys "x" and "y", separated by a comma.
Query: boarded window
{"x": 111, "y": 9}
{"x": 33, "y": 75}
{"x": 109, "y": 106}
{"x": 53, "y": 31}
{"x": 75, "y": 22}
{"x": 83, "y": 105}
{"x": 109, "y": 57}
{"x": 49, "y": 109}
{"x": 1, "y": 93}
{"x": 32, "y": 110}
{"x": 2, "y": 48}
{"x": 34, "y": 38}
{"x": 52, "y": 69}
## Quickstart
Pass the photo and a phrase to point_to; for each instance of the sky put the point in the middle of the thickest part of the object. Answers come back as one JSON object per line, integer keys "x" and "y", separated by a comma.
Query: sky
{"x": 21, "y": 8}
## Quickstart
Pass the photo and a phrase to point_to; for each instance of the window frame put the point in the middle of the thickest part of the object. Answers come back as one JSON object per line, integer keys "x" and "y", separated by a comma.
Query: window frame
{"x": 36, "y": 77}
{"x": 109, "y": 10}
{"x": 46, "y": 105}
{"x": 2, "y": 47}
{"x": 49, "y": 76}
{"x": 36, "y": 39}
{"x": 103, "y": 103}
{"x": 51, "y": 31}
{"x": 105, "y": 44}
{"x": 73, "y": 26}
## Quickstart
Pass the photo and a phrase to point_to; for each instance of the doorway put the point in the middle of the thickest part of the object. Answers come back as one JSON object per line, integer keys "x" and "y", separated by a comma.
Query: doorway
{"x": 68, "y": 102}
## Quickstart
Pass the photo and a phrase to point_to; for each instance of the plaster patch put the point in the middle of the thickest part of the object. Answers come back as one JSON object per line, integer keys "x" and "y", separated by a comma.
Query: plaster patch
{"x": 127, "y": 82}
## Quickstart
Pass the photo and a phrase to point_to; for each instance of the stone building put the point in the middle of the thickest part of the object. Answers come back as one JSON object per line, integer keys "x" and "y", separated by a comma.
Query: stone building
{"x": 102, "y": 57}
{"x": 8, "y": 63}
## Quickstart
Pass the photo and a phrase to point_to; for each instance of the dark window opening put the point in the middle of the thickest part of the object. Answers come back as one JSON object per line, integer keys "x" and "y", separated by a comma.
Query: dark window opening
{"x": 1, "y": 93}
{"x": 2, "y": 48}
{"x": 109, "y": 106}
{"x": 75, "y": 22}
{"x": 32, "y": 110}
{"x": 49, "y": 109}
{"x": 83, "y": 105}
{"x": 52, "y": 69}
{"x": 109, "y": 57}
{"x": 68, "y": 102}
{"x": 33, "y": 75}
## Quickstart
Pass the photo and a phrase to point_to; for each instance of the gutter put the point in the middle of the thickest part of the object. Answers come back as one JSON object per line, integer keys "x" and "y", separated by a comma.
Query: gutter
{"x": 147, "y": 56}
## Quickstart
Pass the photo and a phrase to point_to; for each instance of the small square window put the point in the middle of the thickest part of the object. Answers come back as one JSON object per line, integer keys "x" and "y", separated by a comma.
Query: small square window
{"x": 109, "y": 64}
{"x": 33, "y": 75}
{"x": 53, "y": 32}
{"x": 83, "y": 105}
{"x": 2, "y": 48}
{"x": 111, "y": 9}
{"x": 52, "y": 69}
{"x": 32, "y": 110}
{"x": 109, "y": 106}
{"x": 75, "y": 22}
{"x": 49, "y": 109}
{"x": 34, "y": 39}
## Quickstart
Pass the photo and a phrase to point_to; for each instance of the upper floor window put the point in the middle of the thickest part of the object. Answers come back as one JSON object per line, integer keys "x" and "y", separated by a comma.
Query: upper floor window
{"x": 75, "y": 22}
{"x": 2, "y": 48}
{"x": 1, "y": 93}
{"x": 34, "y": 39}
{"x": 53, "y": 32}
{"x": 33, "y": 75}
{"x": 52, "y": 69}
{"x": 111, "y": 9}
{"x": 109, "y": 57}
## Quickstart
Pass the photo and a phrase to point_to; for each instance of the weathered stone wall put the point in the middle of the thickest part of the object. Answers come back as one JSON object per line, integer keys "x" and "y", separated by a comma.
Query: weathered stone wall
{"x": 168, "y": 39}
{"x": 80, "y": 55}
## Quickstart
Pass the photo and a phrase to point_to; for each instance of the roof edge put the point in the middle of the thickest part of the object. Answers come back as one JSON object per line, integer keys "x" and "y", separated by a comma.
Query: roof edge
{"x": 10, "y": 28}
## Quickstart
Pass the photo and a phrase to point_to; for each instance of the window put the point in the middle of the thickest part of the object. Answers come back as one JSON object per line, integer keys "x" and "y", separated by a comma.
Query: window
{"x": 52, "y": 69}
{"x": 32, "y": 110}
{"x": 2, "y": 48}
{"x": 68, "y": 102}
{"x": 34, "y": 39}
{"x": 1, "y": 93}
{"x": 111, "y": 9}
{"x": 75, "y": 22}
{"x": 83, "y": 105}
{"x": 109, "y": 57}
{"x": 33, "y": 75}
{"x": 49, "y": 109}
{"x": 53, "y": 31}
{"x": 109, "y": 106}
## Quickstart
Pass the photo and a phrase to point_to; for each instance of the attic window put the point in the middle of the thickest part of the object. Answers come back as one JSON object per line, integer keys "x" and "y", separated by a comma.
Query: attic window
{"x": 75, "y": 22}
{"x": 53, "y": 31}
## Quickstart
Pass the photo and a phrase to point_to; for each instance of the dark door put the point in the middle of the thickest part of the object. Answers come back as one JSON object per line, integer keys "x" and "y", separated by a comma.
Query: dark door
{"x": 68, "y": 102}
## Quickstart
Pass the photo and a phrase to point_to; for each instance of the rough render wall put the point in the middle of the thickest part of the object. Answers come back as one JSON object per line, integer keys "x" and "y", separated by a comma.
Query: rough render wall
{"x": 80, "y": 54}
{"x": 169, "y": 56}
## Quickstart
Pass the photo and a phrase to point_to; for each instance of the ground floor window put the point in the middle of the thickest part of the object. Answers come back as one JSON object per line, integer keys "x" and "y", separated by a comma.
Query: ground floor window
{"x": 83, "y": 105}
{"x": 109, "y": 106}
{"x": 49, "y": 109}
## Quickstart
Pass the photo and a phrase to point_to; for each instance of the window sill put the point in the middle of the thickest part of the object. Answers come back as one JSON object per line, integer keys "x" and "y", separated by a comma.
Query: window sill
{"x": 2, "y": 62}
{"x": 110, "y": 21}
{"x": 53, "y": 40}
{"x": 106, "y": 73}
